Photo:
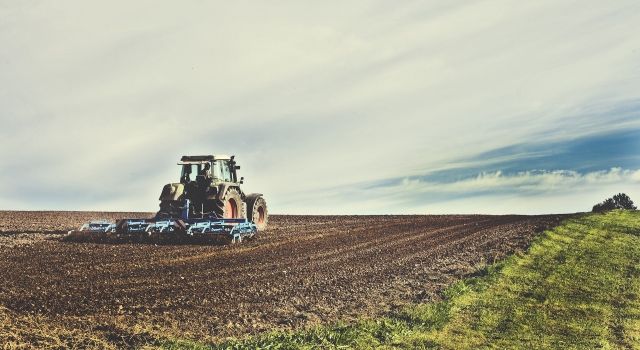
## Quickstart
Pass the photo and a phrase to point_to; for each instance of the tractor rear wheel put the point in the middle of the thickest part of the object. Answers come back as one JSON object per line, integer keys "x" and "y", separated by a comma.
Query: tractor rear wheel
{"x": 257, "y": 211}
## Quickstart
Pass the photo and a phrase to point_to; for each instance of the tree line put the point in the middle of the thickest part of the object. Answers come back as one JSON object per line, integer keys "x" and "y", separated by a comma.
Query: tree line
{"x": 619, "y": 201}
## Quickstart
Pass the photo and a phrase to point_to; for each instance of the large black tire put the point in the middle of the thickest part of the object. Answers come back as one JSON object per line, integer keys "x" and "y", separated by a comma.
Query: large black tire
{"x": 169, "y": 209}
{"x": 257, "y": 211}
{"x": 231, "y": 206}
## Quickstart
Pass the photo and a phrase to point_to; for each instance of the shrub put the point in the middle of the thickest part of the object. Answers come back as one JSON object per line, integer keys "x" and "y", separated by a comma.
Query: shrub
{"x": 619, "y": 201}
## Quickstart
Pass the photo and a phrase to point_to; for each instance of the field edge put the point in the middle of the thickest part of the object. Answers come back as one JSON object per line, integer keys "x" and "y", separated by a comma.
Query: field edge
{"x": 577, "y": 285}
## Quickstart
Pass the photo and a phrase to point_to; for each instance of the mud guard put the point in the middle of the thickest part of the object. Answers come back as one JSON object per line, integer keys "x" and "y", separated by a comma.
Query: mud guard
{"x": 222, "y": 190}
{"x": 172, "y": 192}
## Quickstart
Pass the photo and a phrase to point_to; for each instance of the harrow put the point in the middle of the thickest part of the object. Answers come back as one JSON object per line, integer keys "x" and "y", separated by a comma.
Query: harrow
{"x": 224, "y": 229}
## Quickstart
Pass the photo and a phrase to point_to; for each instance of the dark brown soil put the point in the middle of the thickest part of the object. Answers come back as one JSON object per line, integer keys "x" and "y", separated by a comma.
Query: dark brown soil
{"x": 302, "y": 271}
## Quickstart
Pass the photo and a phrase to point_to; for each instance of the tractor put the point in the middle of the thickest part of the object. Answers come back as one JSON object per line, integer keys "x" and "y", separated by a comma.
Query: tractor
{"x": 207, "y": 202}
{"x": 209, "y": 187}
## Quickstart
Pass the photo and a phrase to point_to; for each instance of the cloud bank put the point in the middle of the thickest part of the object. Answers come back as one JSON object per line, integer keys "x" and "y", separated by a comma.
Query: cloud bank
{"x": 523, "y": 182}
{"x": 535, "y": 192}
{"x": 99, "y": 100}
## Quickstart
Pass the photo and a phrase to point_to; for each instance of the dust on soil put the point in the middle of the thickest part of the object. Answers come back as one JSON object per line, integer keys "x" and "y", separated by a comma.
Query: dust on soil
{"x": 302, "y": 271}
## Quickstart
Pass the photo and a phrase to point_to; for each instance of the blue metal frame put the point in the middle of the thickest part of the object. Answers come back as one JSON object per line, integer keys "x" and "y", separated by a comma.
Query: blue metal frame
{"x": 99, "y": 226}
{"x": 234, "y": 229}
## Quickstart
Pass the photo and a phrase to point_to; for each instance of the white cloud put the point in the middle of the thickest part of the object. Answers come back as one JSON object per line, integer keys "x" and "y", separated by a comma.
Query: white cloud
{"x": 528, "y": 192}
{"x": 308, "y": 96}
{"x": 526, "y": 181}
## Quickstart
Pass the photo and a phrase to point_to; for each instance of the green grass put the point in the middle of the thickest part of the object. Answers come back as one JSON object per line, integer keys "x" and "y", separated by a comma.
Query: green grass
{"x": 578, "y": 287}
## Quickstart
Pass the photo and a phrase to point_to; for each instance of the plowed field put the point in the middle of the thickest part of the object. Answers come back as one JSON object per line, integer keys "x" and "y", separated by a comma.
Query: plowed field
{"x": 301, "y": 271}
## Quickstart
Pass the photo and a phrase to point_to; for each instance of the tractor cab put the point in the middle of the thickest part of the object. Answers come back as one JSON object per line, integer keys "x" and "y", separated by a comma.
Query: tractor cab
{"x": 213, "y": 169}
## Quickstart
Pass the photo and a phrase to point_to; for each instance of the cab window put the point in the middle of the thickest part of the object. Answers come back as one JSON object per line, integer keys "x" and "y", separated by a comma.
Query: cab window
{"x": 225, "y": 171}
{"x": 187, "y": 173}
{"x": 216, "y": 172}
{"x": 221, "y": 171}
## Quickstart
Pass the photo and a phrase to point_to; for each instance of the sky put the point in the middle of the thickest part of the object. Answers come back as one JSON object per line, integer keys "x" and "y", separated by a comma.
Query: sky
{"x": 331, "y": 107}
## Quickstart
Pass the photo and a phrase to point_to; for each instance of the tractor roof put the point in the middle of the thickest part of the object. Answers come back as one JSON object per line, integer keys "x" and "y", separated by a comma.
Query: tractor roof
{"x": 198, "y": 159}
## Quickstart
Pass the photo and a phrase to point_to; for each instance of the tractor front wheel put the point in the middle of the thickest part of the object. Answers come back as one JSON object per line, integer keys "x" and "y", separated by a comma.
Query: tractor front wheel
{"x": 232, "y": 205}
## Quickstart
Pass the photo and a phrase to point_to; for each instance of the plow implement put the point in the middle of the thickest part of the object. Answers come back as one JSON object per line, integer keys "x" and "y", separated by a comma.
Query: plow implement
{"x": 227, "y": 231}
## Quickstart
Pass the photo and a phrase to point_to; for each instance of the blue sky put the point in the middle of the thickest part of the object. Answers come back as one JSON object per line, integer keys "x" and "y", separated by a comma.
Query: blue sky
{"x": 360, "y": 107}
